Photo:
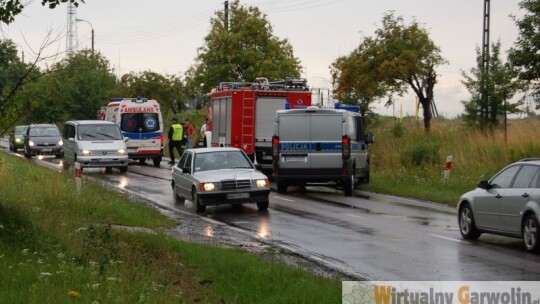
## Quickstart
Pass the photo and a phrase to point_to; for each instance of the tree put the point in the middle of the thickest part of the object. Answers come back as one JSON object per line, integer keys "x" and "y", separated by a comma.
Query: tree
{"x": 74, "y": 88}
{"x": 500, "y": 86}
{"x": 11, "y": 8}
{"x": 525, "y": 55}
{"x": 353, "y": 78}
{"x": 240, "y": 50}
{"x": 401, "y": 56}
{"x": 148, "y": 84}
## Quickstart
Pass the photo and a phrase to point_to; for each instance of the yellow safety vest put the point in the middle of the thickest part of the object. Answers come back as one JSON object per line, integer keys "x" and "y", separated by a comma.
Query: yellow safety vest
{"x": 178, "y": 132}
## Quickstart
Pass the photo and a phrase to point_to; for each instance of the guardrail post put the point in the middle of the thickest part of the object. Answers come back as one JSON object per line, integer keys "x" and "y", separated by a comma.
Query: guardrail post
{"x": 78, "y": 176}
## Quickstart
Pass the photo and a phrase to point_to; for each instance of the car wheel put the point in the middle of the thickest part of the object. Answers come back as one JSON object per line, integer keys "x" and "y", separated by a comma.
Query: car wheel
{"x": 58, "y": 156}
{"x": 348, "y": 185}
{"x": 157, "y": 162}
{"x": 177, "y": 199}
{"x": 26, "y": 154}
{"x": 108, "y": 170}
{"x": 530, "y": 233}
{"x": 282, "y": 187}
{"x": 262, "y": 205}
{"x": 197, "y": 207}
{"x": 142, "y": 161}
{"x": 123, "y": 169}
{"x": 467, "y": 227}
{"x": 12, "y": 148}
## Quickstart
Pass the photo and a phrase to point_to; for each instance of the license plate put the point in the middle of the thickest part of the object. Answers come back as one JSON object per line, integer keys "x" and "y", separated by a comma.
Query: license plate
{"x": 46, "y": 150}
{"x": 237, "y": 195}
{"x": 295, "y": 159}
{"x": 267, "y": 157}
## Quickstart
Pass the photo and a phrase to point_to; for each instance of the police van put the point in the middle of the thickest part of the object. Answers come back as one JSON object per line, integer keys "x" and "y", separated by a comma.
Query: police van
{"x": 141, "y": 121}
{"x": 316, "y": 145}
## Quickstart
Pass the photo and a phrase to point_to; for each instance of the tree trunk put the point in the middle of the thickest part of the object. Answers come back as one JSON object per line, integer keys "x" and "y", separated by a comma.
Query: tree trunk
{"x": 426, "y": 106}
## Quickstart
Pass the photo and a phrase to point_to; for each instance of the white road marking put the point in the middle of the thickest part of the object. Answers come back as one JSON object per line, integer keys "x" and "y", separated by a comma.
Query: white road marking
{"x": 446, "y": 238}
{"x": 354, "y": 215}
{"x": 285, "y": 199}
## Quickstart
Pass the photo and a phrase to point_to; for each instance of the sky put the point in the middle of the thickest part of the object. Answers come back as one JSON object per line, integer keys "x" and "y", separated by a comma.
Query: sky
{"x": 163, "y": 36}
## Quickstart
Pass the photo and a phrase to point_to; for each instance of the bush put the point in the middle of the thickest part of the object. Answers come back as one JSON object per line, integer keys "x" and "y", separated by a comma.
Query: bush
{"x": 420, "y": 154}
{"x": 398, "y": 129}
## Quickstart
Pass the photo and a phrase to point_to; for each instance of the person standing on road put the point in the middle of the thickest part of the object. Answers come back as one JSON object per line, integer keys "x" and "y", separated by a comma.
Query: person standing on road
{"x": 176, "y": 134}
{"x": 189, "y": 134}
{"x": 202, "y": 132}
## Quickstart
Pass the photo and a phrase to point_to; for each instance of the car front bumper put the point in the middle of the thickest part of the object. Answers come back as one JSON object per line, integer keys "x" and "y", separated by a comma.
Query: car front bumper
{"x": 233, "y": 197}
{"x": 102, "y": 161}
{"x": 44, "y": 151}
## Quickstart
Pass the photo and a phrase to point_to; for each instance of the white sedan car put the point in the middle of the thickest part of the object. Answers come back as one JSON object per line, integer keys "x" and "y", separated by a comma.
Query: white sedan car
{"x": 216, "y": 176}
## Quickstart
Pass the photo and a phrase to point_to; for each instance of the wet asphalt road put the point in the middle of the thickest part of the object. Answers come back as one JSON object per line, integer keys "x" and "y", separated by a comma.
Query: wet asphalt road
{"x": 379, "y": 237}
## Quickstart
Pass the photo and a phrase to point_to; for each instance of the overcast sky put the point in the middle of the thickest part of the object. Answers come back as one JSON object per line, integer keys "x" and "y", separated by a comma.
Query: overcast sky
{"x": 163, "y": 36}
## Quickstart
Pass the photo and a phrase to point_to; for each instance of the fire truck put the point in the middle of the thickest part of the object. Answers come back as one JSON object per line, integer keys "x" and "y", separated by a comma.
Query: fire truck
{"x": 242, "y": 114}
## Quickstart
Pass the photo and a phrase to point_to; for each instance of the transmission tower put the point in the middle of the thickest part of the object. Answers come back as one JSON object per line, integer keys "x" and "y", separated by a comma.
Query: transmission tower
{"x": 485, "y": 55}
{"x": 71, "y": 35}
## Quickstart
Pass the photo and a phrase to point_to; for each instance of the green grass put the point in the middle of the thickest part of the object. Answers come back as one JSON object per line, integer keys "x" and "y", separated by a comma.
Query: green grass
{"x": 407, "y": 161}
{"x": 58, "y": 246}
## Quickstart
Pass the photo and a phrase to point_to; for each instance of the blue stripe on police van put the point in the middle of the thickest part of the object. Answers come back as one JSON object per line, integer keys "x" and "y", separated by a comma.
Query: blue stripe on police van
{"x": 312, "y": 147}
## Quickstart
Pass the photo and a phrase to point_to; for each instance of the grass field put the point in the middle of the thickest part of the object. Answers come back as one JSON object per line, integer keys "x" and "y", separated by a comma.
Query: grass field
{"x": 405, "y": 160}
{"x": 59, "y": 246}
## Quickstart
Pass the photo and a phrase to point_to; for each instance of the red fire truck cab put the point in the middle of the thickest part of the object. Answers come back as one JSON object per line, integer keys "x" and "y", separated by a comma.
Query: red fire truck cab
{"x": 242, "y": 114}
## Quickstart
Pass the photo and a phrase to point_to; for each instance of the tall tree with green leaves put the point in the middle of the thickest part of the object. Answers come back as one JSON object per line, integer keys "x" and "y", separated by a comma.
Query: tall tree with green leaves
{"x": 74, "y": 88}
{"x": 397, "y": 58}
{"x": 241, "y": 46}
{"x": 500, "y": 85}
{"x": 525, "y": 55}
{"x": 11, "y": 8}
{"x": 354, "y": 79}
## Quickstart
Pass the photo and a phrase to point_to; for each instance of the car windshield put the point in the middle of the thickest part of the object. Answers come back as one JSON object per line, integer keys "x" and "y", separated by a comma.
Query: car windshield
{"x": 219, "y": 160}
{"x": 44, "y": 132}
{"x": 20, "y": 130}
{"x": 99, "y": 132}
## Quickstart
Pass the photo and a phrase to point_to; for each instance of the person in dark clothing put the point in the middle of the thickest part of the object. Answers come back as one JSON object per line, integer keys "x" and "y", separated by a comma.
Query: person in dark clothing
{"x": 176, "y": 135}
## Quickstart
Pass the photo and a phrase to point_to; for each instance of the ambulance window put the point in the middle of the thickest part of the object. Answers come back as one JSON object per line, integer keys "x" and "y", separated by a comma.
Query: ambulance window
{"x": 129, "y": 122}
{"x": 150, "y": 122}
{"x": 140, "y": 122}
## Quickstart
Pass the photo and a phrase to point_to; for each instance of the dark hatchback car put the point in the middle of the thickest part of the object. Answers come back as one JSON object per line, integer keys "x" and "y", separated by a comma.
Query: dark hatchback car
{"x": 43, "y": 139}
{"x": 508, "y": 204}
{"x": 16, "y": 138}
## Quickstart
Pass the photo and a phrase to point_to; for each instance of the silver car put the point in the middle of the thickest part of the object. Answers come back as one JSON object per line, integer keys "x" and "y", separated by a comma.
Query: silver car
{"x": 216, "y": 176}
{"x": 508, "y": 204}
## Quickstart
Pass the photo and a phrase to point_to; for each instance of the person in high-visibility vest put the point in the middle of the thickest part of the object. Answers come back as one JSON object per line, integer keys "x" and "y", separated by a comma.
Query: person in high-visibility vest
{"x": 176, "y": 134}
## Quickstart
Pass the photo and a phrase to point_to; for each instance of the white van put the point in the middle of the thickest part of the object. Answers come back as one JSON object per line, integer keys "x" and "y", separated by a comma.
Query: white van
{"x": 94, "y": 144}
{"x": 315, "y": 145}
{"x": 141, "y": 121}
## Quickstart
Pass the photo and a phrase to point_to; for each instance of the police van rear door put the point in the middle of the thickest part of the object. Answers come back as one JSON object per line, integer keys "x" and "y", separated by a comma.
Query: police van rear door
{"x": 294, "y": 137}
{"x": 326, "y": 133}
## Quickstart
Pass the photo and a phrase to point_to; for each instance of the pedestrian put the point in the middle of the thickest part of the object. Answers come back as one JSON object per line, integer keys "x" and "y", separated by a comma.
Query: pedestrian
{"x": 176, "y": 134}
{"x": 189, "y": 134}
{"x": 202, "y": 132}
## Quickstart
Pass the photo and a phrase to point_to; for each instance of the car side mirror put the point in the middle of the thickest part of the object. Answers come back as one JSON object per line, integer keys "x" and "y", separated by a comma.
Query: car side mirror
{"x": 483, "y": 185}
{"x": 126, "y": 139}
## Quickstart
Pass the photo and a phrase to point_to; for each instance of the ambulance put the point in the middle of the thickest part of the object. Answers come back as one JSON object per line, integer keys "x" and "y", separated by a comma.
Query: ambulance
{"x": 140, "y": 120}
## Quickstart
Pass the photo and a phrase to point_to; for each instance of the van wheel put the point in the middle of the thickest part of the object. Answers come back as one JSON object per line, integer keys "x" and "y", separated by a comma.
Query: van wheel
{"x": 142, "y": 161}
{"x": 157, "y": 161}
{"x": 123, "y": 169}
{"x": 282, "y": 187}
{"x": 348, "y": 185}
{"x": 108, "y": 170}
{"x": 27, "y": 155}
{"x": 365, "y": 179}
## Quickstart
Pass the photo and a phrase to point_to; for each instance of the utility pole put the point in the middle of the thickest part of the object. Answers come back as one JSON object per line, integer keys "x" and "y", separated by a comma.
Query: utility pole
{"x": 71, "y": 35}
{"x": 82, "y": 20}
{"x": 485, "y": 61}
{"x": 227, "y": 16}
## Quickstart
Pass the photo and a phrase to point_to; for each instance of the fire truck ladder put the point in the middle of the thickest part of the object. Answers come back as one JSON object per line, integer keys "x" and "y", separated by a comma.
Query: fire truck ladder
{"x": 248, "y": 120}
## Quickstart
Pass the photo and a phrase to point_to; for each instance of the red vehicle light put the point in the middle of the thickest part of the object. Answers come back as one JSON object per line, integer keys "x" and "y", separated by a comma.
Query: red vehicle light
{"x": 275, "y": 148}
{"x": 346, "y": 147}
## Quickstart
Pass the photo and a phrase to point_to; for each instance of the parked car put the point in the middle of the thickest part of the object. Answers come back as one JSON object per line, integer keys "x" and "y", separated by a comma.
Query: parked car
{"x": 43, "y": 139}
{"x": 508, "y": 204}
{"x": 95, "y": 144}
{"x": 216, "y": 176}
{"x": 16, "y": 138}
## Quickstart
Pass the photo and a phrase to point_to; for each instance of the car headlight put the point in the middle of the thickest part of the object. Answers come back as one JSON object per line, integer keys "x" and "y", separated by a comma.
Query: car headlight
{"x": 121, "y": 151}
{"x": 262, "y": 183}
{"x": 207, "y": 186}
{"x": 30, "y": 143}
{"x": 60, "y": 143}
{"x": 17, "y": 140}
{"x": 85, "y": 152}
